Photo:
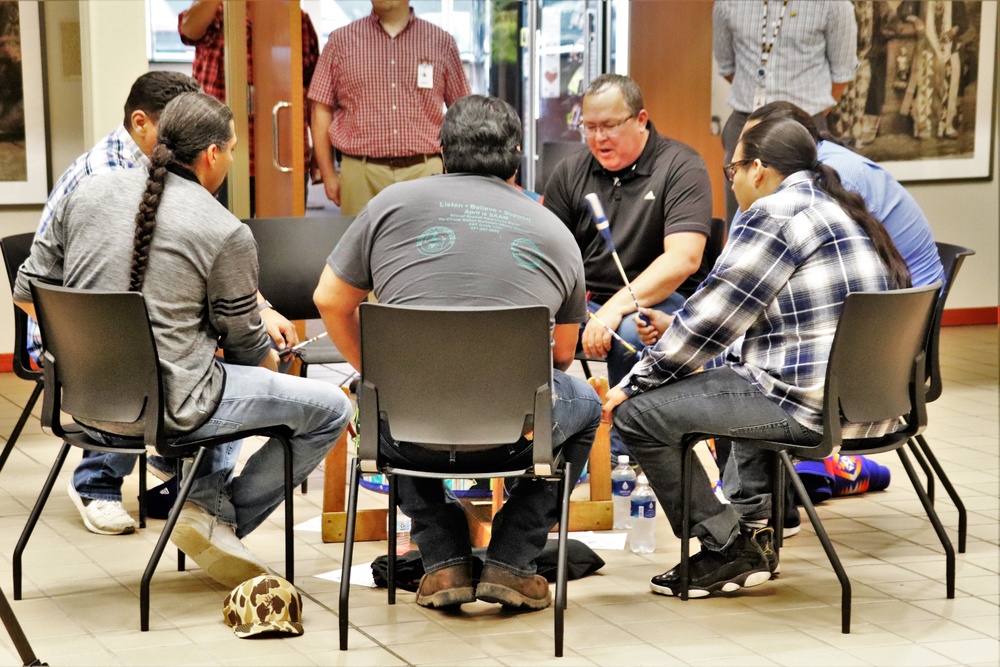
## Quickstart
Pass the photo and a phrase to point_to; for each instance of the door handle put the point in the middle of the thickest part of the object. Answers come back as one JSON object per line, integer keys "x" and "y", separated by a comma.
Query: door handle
{"x": 274, "y": 136}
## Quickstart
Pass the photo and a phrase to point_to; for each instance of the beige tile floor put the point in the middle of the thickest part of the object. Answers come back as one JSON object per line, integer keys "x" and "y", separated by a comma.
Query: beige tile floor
{"x": 80, "y": 603}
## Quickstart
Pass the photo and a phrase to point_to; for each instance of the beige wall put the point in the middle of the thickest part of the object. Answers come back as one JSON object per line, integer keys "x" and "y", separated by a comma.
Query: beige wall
{"x": 113, "y": 41}
{"x": 113, "y": 45}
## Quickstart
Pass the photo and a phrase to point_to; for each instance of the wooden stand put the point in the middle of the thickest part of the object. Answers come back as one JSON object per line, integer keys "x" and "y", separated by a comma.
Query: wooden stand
{"x": 595, "y": 513}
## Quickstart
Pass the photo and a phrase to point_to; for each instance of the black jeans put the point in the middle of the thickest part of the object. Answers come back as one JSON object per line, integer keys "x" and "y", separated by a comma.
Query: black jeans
{"x": 655, "y": 426}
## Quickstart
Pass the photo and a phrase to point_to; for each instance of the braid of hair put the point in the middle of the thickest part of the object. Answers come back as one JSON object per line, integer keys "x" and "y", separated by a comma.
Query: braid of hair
{"x": 827, "y": 180}
{"x": 145, "y": 219}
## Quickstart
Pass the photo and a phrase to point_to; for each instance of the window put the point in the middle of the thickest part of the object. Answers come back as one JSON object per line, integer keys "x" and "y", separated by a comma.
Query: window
{"x": 164, "y": 43}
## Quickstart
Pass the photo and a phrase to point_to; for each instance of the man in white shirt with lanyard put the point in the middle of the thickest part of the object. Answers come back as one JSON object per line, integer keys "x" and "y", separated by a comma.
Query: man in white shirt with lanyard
{"x": 798, "y": 51}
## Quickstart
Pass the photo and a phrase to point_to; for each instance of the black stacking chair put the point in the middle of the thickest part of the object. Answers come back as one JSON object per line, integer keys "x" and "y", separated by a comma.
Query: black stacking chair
{"x": 952, "y": 257}
{"x": 713, "y": 248}
{"x": 15, "y": 250}
{"x": 875, "y": 372}
{"x": 291, "y": 253}
{"x": 90, "y": 379}
{"x": 415, "y": 378}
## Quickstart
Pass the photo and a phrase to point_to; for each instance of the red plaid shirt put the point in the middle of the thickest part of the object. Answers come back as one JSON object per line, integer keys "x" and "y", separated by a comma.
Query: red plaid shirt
{"x": 369, "y": 81}
{"x": 209, "y": 67}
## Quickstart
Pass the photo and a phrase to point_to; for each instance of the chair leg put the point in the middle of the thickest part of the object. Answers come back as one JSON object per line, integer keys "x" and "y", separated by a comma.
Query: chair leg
{"x": 161, "y": 543}
{"x": 686, "y": 465}
{"x": 778, "y": 507}
{"x": 390, "y": 530}
{"x": 16, "y": 634}
{"x": 824, "y": 539}
{"x": 36, "y": 512}
{"x": 303, "y": 371}
{"x": 950, "y": 489}
{"x": 585, "y": 365}
{"x": 928, "y": 473}
{"x": 949, "y": 550}
{"x": 345, "y": 578}
{"x": 22, "y": 420}
{"x": 142, "y": 490}
{"x": 289, "y": 514}
{"x": 179, "y": 464}
{"x": 565, "y": 490}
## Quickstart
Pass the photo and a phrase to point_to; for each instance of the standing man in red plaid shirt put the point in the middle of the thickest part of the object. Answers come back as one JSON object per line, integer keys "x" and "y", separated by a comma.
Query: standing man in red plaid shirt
{"x": 379, "y": 93}
{"x": 201, "y": 26}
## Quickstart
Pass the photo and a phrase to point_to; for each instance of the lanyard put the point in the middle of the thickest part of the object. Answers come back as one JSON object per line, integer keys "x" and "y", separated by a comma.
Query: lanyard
{"x": 765, "y": 47}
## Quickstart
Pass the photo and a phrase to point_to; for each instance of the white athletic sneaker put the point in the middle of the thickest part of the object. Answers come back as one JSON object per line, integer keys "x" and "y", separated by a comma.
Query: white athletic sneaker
{"x": 215, "y": 547}
{"x": 104, "y": 517}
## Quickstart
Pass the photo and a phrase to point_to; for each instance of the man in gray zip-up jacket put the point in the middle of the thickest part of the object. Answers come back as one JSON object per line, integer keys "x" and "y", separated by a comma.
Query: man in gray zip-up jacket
{"x": 200, "y": 286}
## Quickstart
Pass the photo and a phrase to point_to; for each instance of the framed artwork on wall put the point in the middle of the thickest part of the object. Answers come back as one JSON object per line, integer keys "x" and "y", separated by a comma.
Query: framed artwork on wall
{"x": 23, "y": 168}
{"x": 921, "y": 104}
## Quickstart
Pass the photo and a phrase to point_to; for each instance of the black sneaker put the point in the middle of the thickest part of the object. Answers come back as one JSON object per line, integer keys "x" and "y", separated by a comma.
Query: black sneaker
{"x": 764, "y": 537}
{"x": 671, "y": 579}
{"x": 741, "y": 565}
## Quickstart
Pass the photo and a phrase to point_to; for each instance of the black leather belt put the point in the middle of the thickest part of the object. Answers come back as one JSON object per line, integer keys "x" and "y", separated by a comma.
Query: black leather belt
{"x": 397, "y": 162}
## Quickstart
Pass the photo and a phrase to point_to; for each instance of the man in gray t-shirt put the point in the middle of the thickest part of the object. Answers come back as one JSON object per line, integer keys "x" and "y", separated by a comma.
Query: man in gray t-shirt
{"x": 469, "y": 238}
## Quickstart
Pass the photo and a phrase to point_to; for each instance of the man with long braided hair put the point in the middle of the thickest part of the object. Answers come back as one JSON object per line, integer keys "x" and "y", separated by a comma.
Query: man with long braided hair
{"x": 196, "y": 265}
{"x": 96, "y": 487}
{"x": 97, "y": 481}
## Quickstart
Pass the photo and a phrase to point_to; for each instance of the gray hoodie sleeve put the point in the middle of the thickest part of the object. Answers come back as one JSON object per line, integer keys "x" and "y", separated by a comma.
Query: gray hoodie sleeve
{"x": 232, "y": 300}
{"x": 46, "y": 259}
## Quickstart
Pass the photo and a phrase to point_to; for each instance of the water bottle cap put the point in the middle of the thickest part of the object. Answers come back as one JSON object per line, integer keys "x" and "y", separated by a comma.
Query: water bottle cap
{"x": 622, "y": 458}
{"x": 642, "y": 479}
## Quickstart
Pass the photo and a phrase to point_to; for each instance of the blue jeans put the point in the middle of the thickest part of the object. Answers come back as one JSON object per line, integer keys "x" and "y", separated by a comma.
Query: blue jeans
{"x": 655, "y": 425}
{"x": 520, "y": 529}
{"x": 316, "y": 413}
{"x": 620, "y": 360}
{"x": 99, "y": 475}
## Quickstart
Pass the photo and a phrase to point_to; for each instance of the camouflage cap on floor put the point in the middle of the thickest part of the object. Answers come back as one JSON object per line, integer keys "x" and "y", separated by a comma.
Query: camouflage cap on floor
{"x": 263, "y": 606}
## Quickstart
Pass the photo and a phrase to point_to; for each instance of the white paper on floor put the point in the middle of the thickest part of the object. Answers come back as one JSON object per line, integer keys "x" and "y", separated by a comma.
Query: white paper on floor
{"x": 361, "y": 575}
{"x": 602, "y": 541}
{"x": 313, "y": 525}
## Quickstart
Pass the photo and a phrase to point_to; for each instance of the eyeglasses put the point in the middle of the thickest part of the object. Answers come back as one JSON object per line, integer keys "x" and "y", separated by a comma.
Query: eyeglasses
{"x": 730, "y": 169}
{"x": 591, "y": 129}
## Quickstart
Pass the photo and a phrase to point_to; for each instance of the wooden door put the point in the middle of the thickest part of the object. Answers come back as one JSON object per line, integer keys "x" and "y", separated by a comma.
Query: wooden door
{"x": 277, "y": 107}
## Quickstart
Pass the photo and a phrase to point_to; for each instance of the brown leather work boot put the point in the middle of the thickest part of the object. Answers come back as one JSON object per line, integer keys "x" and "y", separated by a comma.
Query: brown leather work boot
{"x": 512, "y": 590}
{"x": 447, "y": 587}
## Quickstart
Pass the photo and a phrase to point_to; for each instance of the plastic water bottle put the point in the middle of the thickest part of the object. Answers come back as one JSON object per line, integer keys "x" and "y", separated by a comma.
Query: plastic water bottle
{"x": 643, "y": 539}
{"x": 402, "y": 533}
{"x": 622, "y": 485}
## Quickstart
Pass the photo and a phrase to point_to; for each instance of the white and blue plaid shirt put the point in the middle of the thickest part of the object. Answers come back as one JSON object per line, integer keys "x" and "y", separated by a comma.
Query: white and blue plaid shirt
{"x": 791, "y": 260}
{"x": 116, "y": 151}
{"x": 816, "y": 47}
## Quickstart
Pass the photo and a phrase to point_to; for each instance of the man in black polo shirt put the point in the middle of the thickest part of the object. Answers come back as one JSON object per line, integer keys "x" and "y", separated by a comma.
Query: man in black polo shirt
{"x": 658, "y": 199}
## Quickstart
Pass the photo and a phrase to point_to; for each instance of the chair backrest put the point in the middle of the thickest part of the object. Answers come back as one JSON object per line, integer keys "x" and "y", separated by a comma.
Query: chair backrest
{"x": 291, "y": 253}
{"x": 16, "y": 249}
{"x": 552, "y": 153}
{"x": 952, "y": 257}
{"x": 100, "y": 357}
{"x": 876, "y": 362}
{"x": 438, "y": 376}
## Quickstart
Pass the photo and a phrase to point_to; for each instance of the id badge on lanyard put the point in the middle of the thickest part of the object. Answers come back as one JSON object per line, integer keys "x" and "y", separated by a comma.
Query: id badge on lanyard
{"x": 763, "y": 73}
